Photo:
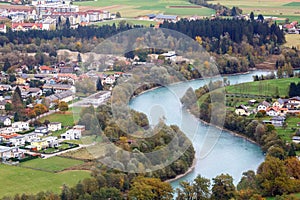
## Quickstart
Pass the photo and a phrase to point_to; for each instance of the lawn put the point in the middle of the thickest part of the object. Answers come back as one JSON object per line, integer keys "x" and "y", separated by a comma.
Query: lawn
{"x": 51, "y": 164}
{"x": 133, "y": 8}
{"x": 266, "y": 88}
{"x": 144, "y": 23}
{"x": 21, "y": 180}
{"x": 292, "y": 40}
{"x": 278, "y": 8}
{"x": 67, "y": 119}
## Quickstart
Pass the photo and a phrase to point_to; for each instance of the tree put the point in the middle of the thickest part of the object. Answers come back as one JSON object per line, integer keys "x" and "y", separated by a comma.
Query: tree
{"x": 17, "y": 103}
{"x": 201, "y": 187}
{"x": 40, "y": 109}
{"x": 63, "y": 106}
{"x": 150, "y": 188}
{"x": 260, "y": 17}
{"x": 118, "y": 15}
{"x": 12, "y": 78}
{"x": 99, "y": 85}
{"x": 252, "y": 16}
{"x": 6, "y": 66}
{"x": 223, "y": 187}
{"x": 16, "y": 117}
{"x": 272, "y": 177}
{"x": 79, "y": 59}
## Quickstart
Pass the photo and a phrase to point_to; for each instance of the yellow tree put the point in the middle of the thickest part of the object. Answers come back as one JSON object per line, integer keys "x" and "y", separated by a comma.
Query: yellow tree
{"x": 150, "y": 188}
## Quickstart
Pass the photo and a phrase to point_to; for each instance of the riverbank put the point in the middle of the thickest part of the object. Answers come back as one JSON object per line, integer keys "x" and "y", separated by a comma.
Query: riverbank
{"x": 224, "y": 129}
{"x": 190, "y": 169}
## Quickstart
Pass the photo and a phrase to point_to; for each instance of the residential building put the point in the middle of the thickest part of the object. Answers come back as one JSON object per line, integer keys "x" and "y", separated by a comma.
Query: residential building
{"x": 11, "y": 152}
{"x": 3, "y": 28}
{"x": 26, "y": 26}
{"x": 20, "y": 126}
{"x": 54, "y": 126}
{"x": 278, "y": 120}
{"x": 52, "y": 141}
{"x": 5, "y": 121}
{"x": 263, "y": 106}
{"x": 71, "y": 134}
{"x": 273, "y": 111}
{"x": 242, "y": 110}
{"x": 39, "y": 144}
{"x": 17, "y": 141}
{"x": 42, "y": 131}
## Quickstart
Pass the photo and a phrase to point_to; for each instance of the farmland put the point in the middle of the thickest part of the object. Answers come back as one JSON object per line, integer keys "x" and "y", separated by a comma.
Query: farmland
{"x": 278, "y": 8}
{"x": 22, "y": 180}
{"x": 131, "y": 8}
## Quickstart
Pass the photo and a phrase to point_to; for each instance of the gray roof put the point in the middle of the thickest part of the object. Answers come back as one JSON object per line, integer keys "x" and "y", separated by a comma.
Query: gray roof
{"x": 3, "y": 118}
{"x": 57, "y": 86}
{"x": 166, "y": 17}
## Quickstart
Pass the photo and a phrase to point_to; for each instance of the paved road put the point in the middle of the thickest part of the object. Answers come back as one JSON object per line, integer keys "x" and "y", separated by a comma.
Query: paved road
{"x": 45, "y": 156}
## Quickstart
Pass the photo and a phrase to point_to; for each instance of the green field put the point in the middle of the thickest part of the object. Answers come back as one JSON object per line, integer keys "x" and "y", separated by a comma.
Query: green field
{"x": 266, "y": 88}
{"x": 277, "y": 8}
{"x": 145, "y": 23}
{"x": 21, "y": 180}
{"x": 67, "y": 119}
{"x": 133, "y": 8}
{"x": 51, "y": 164}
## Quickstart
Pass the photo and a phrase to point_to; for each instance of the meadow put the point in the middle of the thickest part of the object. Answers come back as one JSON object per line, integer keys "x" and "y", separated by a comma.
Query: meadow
{"x": 292, "y": 40}
{"x": 266, "y": 87}
{"x": 51, "y": 164}
{"x": 132, "y": 8}
{"x": 144, "y": 23}
{"x": 22, "y": 180}
{"x": 278, "y": 8}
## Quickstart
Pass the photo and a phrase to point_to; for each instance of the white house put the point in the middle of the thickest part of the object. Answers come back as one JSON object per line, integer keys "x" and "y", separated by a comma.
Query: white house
{"x": 11, "y": 152}
{"x": 54, "y": 126}
{"x": 278, "y": 121}
{"x": 242, "y": 111}
{"x": 41, "y": 131}
{"x": 263, "y": 106}
{"x": 29, "y": 137}
{"x": 273, "y": 112}
{"x": 5, "y": 120}
{"x": 52, "y": 141}
{"x": 71, "y": 134}
{"x": 110, "y": 79}
{"x": 17, "y": 141}
{"x": 20, "y": 126}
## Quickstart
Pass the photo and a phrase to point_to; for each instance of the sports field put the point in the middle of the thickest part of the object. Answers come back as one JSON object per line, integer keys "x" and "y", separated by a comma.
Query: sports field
{"x": 279, "y": 8}
{"x": 22, "y": 180}
{"x": 133, "y": 8}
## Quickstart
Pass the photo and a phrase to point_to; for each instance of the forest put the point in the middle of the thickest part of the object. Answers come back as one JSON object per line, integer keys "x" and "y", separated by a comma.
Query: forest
{"x": 237, "y": 45}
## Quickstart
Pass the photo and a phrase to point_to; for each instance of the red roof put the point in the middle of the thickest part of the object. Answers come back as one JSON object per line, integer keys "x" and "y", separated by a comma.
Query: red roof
{"x": 73, "y": 76}
{"x": 9, "y": 135}
{"x": 27, "y": 25}
{"x": 46, "y": 68}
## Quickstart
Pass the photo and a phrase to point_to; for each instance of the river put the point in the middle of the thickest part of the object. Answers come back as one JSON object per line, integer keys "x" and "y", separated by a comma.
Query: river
{"x": 228, "y": 154}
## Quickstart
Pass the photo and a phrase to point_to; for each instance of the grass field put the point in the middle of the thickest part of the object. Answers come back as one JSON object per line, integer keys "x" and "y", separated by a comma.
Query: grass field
{"x": 128, "y": 21}
{"x": 21, "y": 180}
{"x": 266, "y": 87}
{"x": 292, "y": 40}
{"x": 51, "y": 164}
{"x": 132, "y": 8}
{"x": 279, "y": 8}
{"x": 67, "y": 119}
